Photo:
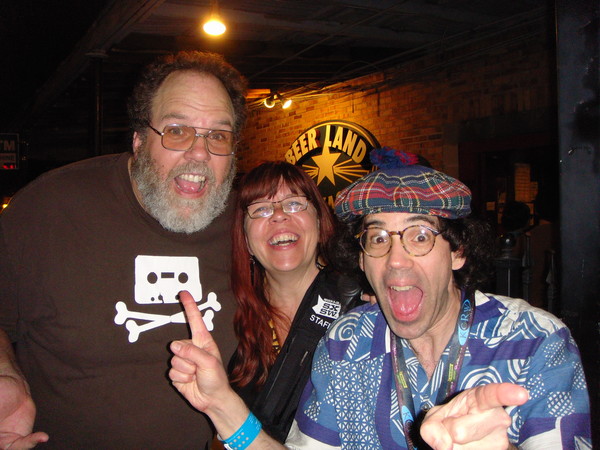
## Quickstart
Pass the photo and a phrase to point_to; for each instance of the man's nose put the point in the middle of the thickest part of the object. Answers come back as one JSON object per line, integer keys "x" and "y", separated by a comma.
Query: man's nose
{"x": 199, "y": 150}
{"x": 398, "y": 257}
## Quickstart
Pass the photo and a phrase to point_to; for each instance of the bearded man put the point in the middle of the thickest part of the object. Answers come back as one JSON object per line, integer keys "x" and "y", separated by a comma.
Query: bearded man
{"x": 94, "y": 255}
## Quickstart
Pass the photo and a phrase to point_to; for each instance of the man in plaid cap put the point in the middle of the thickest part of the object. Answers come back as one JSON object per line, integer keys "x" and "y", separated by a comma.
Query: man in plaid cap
{"x": 435, "y": 359}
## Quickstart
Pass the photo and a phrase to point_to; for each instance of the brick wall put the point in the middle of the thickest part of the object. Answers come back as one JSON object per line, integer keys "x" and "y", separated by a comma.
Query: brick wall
{"x": 411, "y": 106}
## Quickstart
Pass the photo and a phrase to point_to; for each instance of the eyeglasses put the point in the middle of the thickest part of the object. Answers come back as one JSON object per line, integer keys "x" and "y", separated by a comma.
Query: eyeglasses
{"x": 289, "y": 205}
{"x": 417, "y": 240}
{"x": 181, "y": 138}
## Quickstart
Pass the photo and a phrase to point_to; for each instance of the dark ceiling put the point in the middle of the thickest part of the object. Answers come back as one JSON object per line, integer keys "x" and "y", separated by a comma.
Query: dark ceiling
{"x": 58, "y": 53}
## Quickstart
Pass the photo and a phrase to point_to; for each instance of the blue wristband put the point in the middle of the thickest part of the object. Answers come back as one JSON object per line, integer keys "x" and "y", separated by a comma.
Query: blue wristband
{"x": 245, "y": 434}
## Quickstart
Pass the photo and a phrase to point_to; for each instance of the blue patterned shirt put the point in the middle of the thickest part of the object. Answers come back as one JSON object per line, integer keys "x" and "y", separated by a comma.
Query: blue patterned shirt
{"x": 351, "y": 401}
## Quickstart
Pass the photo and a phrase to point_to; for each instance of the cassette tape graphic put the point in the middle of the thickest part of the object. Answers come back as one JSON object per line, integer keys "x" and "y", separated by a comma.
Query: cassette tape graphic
{"x": 158, "y": 279}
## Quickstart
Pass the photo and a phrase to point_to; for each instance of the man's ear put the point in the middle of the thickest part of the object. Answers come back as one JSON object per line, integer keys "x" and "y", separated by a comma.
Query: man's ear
{"x": 361, "y": 263}
{"x": 458, "y": 260}
{"x": 137, "y": 143}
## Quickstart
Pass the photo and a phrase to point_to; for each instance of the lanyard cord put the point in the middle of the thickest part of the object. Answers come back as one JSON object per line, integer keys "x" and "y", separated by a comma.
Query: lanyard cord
{"x": 455, "y": 359}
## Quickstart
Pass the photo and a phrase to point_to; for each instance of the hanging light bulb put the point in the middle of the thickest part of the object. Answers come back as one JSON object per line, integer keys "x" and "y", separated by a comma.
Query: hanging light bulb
{"x": 214, "y": 25}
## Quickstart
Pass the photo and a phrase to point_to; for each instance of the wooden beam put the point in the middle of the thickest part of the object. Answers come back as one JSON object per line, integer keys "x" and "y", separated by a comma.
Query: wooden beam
{"x": 113, "y": 24}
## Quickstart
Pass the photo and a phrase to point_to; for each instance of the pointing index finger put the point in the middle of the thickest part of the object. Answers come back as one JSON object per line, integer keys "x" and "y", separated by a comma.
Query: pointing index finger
{"x": 500, "y": 394}
{"x": 197, "y": 327}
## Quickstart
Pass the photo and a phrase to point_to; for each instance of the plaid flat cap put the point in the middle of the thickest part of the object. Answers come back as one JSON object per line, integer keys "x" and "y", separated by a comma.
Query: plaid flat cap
{"x": 401, "y": 185}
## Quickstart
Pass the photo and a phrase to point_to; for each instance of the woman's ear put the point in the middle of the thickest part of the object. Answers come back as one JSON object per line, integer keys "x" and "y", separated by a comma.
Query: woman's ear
{"x": 248, "y": 245}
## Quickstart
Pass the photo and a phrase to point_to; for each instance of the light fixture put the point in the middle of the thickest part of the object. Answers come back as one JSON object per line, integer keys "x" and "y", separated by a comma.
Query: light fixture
{"x": 214, "y": 25}
{"x": 285, "y": 102}
{"x": 272, "y": 99}
{"x": 269, "y": 102}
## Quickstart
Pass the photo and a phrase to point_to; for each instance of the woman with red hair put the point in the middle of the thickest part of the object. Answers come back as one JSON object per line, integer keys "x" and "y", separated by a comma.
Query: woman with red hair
{"x": 287, "y": 293}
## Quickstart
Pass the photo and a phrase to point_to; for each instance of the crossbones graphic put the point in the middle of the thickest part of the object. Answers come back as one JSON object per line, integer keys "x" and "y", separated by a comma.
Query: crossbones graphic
{"x": 124, "y": 316}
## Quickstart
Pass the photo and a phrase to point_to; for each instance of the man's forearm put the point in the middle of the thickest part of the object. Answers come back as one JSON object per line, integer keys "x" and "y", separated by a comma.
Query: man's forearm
{"x": 17, "y": 409}
{"x": 14, "y": 389}
{"x": 8, "y": 360}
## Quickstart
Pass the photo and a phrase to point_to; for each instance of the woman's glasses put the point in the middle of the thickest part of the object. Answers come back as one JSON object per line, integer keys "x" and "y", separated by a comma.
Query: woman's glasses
{"x": 289, "y": 205}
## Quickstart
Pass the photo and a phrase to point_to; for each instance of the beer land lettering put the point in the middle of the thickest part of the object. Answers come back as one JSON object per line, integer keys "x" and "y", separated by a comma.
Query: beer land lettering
{"x": 351, "y": 144}
{"x": 334, "y": 154}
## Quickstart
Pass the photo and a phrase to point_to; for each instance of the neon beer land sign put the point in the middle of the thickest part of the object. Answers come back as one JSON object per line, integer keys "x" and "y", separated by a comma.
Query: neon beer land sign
{"x": 334, "y": 154}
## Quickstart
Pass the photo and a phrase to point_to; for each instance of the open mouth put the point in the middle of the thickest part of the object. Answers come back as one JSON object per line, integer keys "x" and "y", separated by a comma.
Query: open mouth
{"x": 405, "y": 301}
{"x": 189, "y": 183}
{"x": 282, "y": 240}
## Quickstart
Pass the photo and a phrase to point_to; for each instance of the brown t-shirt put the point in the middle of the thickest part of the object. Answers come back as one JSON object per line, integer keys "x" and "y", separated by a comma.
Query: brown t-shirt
{"x": 87, "y": 291}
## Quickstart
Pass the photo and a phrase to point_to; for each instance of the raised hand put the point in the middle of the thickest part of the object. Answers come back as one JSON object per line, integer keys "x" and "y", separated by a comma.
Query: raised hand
{"x": 198, "y": 374}
{"x": 474, "y": 419}
{"x": 196, "y": 368}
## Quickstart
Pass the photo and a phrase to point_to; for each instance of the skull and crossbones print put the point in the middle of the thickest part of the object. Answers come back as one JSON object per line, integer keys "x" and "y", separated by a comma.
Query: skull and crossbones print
{"x": 158, "y": 280}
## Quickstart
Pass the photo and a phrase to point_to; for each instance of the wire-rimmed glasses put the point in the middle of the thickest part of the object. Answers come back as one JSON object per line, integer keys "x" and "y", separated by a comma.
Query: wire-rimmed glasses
{"x": 417, "y": 240}
{"x": 289, "y": 205}
{"x": 181, "y": 138}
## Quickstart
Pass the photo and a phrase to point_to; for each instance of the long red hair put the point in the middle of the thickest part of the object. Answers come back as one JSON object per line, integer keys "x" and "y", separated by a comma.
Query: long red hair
{"x": 255, "y": 354}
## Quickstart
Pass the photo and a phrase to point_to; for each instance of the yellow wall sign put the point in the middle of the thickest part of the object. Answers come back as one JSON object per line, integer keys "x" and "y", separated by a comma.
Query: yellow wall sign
{"x": 334, "y": 154}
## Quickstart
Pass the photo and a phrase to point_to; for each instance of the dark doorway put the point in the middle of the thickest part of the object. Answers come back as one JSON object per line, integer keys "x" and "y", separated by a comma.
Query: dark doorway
{"x": 521, "y": 169}
{"x": 510, "y": 169}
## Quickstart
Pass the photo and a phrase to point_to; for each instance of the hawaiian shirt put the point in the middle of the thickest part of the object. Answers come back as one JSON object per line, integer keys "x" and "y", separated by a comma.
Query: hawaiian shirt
{"x": 351, "y": 402}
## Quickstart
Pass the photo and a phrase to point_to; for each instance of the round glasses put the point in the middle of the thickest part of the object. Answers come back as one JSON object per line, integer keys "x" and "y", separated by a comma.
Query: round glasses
{"x": 181, "y": 138}
{"x": 289, "y": 205}
{"x": 417, "y": 240}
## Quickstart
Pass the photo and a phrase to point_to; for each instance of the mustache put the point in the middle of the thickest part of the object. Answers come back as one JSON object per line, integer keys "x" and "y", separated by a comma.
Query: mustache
{"x": 194, "y": 167}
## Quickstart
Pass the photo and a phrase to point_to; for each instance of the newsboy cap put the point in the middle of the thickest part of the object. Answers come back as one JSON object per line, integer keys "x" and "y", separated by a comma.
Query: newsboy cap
{"x": 400, "y": 184}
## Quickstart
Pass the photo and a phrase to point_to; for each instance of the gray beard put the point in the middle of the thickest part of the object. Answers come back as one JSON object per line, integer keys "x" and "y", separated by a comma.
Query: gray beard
{"x": 172, "y": 212}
